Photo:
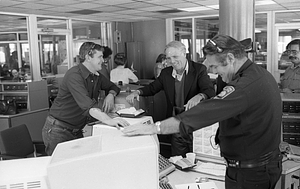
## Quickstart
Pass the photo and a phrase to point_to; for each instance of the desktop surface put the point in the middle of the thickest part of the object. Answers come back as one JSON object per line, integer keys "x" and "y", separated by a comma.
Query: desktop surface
{"x": 179, "y": 177}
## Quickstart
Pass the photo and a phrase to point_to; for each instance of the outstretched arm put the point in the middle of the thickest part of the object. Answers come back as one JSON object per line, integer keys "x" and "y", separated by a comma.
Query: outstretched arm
{"x": 104, "y": 118}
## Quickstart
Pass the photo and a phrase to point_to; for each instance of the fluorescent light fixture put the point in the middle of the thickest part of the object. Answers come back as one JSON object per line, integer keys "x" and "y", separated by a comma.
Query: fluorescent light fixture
{"x": 213, "y": 6}
{"x": 264, "y": 2}
{"x": 257, "y": 31}
{"x": 193, "y": 9}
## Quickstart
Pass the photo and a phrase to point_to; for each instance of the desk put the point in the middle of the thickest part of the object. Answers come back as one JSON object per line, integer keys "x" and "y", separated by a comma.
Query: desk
{"x": 34, "y": 120}
{"x": 290, "y": 174}
{"x": 185, "y": 177}
{"x": 289, "y": 178}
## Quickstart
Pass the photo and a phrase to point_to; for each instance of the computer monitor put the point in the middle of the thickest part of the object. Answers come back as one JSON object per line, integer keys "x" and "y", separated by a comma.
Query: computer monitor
{"x": 105, "y": 161}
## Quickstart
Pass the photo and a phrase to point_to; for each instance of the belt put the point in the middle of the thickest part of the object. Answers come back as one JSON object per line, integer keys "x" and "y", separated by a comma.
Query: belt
{"x": 62, "y": 125}
{"x": 263, "y": 160}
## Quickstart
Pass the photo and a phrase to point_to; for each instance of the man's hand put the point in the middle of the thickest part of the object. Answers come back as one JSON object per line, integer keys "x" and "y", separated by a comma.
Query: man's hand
{"x": 116, "y": 122}
{"x": 287, "y": 90}
{"x": 193, "y": 101}
{"x": 140, "y": 129}
{"x": 134, "y": 95}
{"x": 108, "y": 103}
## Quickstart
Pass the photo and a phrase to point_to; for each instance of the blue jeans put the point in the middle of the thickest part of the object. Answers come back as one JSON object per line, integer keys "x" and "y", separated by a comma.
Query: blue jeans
{"x": 55, "y": 132}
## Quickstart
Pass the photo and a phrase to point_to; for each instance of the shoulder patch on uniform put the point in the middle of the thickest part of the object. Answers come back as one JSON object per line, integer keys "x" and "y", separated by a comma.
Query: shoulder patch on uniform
{"x": 226, "y": 91}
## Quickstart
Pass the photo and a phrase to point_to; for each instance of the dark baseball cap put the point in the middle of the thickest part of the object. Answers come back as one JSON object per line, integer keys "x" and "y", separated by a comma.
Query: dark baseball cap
{"x": 247, "y": 44}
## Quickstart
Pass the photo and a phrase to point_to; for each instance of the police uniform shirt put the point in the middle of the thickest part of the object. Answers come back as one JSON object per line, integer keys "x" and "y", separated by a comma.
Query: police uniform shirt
{"x": 291, "y": 78}
{"x": 249, "y": 111}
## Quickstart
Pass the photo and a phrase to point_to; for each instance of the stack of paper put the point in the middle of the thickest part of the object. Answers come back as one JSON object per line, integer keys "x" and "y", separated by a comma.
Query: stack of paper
{"x": 210, "y": 168}
{"x": 129, "y": 112}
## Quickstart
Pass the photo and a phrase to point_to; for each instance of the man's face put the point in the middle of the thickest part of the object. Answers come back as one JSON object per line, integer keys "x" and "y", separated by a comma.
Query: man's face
{"x": 226, "y": 72}
{"x": 97, "y": 60}
{"x": 294, "y": 54}
{"x": 106, "y": 61}
{"x": 175, "y": 58}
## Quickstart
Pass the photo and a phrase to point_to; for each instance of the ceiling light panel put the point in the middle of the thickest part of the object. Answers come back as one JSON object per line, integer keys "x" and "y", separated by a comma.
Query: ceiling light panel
{"x": 193, "y": 9}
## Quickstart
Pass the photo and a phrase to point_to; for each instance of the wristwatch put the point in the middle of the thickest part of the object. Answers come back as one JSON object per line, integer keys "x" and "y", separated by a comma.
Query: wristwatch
{"x": 203, "y": 96}
{"x": 114, "y": 94}
{"x": 157, "y": 124}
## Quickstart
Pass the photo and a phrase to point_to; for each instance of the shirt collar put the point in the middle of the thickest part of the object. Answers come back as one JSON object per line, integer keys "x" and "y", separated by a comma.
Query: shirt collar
{"x": 178, "y": 76}
{"x": 295, "y": 67}
{"x": 242, "y": 68}
{"x": 85, "y": 72}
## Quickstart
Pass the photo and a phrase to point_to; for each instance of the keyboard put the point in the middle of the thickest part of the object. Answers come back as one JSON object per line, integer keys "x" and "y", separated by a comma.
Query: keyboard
{"x": 165, "y": 166}
{"x": 164, "y": 183}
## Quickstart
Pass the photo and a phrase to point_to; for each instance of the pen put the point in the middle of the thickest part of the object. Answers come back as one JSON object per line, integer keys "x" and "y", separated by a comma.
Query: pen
{"x": 93, "y": 123}
{"x": 198, "y": 186}
{"x": 216, "y": 179}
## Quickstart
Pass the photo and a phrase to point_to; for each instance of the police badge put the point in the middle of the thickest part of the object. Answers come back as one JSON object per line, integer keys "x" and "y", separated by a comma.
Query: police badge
{"x": 226, "y": 91}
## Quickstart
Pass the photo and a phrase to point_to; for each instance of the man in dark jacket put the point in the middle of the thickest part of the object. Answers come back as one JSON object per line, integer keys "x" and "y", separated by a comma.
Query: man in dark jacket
{"x": 185, "y": 84}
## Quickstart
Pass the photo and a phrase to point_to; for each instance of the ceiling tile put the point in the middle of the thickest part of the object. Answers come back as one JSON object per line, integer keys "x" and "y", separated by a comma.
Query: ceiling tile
{"x": 123, "y": 9}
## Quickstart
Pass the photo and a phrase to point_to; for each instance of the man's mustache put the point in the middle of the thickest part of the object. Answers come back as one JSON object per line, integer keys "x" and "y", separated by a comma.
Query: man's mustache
{"x": 292, "y": 57}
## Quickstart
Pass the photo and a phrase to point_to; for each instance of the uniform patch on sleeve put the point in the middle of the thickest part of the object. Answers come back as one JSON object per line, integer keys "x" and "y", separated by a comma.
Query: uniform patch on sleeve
{"x": 226, "y": 91}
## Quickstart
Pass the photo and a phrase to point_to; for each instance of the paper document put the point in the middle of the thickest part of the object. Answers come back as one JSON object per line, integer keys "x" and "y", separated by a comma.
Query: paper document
{"x": 204, "y": 185}
{"x": 204, "y": 141}
{"x": 210, "y": 168}
{"x": 130, "y": 112}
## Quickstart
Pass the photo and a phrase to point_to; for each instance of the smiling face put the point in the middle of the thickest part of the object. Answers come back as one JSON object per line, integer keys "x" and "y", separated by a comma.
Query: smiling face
{"x": 176, "y": 58}
{"x": 225, "y": 69}
{"x": 96, "y": 61}
{"x": 294, "y": 54}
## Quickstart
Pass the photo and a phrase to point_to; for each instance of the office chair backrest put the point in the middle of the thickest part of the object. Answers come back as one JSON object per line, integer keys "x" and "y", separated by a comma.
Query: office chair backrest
{"x": 16, "y": 141}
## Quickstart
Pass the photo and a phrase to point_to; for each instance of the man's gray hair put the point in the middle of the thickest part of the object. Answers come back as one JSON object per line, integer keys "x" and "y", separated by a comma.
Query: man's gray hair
{"x": 177, "y": 45}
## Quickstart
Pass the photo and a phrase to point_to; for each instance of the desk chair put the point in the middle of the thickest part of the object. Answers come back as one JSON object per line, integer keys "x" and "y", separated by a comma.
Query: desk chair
{"x": 16, "y": 142}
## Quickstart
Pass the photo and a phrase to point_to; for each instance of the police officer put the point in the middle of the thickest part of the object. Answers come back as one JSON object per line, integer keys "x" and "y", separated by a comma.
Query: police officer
{"x": 290, "y": 81}
{"x": 249, "y": 114}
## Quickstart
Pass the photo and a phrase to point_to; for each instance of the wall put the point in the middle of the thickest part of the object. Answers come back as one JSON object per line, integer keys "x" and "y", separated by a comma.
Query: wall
{"x": 152, "y": 35}
{"x": 125, "y": 29}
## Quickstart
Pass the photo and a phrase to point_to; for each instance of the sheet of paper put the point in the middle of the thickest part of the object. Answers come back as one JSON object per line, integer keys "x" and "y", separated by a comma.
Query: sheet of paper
{"x": 130, "y": 111}
{"x": 210, "y": 168}
{"x": 204, "y": 143}
{"x": 204, "y": 185}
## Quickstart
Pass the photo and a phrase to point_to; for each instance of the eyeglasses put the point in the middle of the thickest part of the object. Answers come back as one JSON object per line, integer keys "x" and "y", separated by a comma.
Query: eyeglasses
{"x": 294, "y": 52}
{"x": 219, "y": 49}
{"x": 91, "y": 49}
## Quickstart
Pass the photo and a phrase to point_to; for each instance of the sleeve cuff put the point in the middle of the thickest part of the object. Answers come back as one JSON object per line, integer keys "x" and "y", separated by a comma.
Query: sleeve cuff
{"x": 113, "y": 93}
{"x": 204, "y": 97}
